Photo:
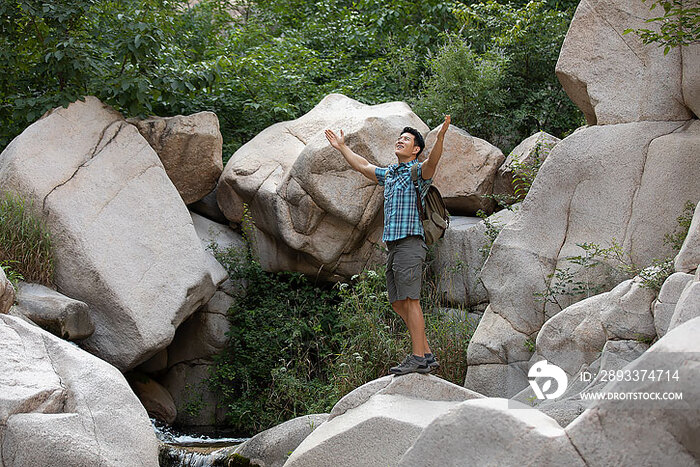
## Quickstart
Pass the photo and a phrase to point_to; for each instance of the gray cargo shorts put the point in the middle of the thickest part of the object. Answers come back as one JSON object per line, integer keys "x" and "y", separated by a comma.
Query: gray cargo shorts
{"x": 404, "y": 267}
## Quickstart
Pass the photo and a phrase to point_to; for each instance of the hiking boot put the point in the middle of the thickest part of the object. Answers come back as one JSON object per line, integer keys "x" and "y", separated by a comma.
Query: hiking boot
{"x": 411, "y": 364}
{"x": 431, "y": 362}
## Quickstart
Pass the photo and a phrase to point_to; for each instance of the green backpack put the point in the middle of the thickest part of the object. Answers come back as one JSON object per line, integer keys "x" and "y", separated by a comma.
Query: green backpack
{"x": 434, "y": 217}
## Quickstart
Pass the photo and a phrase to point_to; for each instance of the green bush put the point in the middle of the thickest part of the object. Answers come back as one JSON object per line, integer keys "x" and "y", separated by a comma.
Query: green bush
{"x": 26, "y": 249}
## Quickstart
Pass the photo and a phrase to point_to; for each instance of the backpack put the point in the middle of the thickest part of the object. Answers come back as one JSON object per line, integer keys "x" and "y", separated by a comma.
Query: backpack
{"x": 434, "y": 217}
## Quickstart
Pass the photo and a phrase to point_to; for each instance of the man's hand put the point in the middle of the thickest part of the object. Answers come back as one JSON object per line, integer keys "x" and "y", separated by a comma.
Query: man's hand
{"x": 336, "y": 141}
{"x": 445, "y": 126}
{"x": 430, "y": 165}
{"x": 356, "y": 161}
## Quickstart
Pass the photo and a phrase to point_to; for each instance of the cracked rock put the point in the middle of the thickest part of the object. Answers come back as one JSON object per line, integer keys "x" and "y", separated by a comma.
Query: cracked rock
{"x": 312, "y": 212}
{"x": 124, "y": 240}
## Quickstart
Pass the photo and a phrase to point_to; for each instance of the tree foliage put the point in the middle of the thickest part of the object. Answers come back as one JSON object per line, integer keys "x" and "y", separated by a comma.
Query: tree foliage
{"x": 678, "y": 25}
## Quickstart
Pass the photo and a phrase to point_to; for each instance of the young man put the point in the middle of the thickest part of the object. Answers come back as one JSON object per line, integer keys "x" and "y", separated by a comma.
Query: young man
{"x": 403, "y": 232}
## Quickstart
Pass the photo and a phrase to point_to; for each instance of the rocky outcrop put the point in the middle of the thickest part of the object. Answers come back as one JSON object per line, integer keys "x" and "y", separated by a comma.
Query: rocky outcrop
{"x": 467, "y": 171}
{"x": 378, "y": 422}
{"x": 190, "y": 149}
{"x": 688, "y": 306}
{"x": 461, "y": 254}
{"x": 688, "y": 258}
{"x": 492, "y": 431}
{"x": 54, "y": 312}
{"x": 690, "y": 56}
{"x": 615, "y": 78}
{"x": 531, "y": 152}
{"x": 155, "y": 399}
{"x": 62, "y": 406}
{"x": 272, "y": 447}
{"x": 665, "y": 303}
{"x": 619, "y": 173}
{"x": 7, "y": 293}
{"x": 311, "y": 211}
{"x": 124, "y": 241}
{"x": 646, "y": 430}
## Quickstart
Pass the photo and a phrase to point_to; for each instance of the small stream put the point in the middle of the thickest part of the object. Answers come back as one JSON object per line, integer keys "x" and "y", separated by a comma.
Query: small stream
{"x": 179, "y": 449}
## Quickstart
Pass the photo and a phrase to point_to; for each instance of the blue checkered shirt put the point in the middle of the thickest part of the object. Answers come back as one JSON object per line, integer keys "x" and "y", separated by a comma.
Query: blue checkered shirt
{"x": 401, "y": 218}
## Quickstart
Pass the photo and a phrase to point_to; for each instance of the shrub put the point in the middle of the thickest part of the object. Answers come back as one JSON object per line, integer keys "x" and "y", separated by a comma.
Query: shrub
{"x": 26, "y": 248}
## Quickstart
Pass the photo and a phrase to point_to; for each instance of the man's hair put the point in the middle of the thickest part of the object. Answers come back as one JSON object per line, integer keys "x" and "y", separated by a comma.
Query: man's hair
{"x": 417, "y": 138}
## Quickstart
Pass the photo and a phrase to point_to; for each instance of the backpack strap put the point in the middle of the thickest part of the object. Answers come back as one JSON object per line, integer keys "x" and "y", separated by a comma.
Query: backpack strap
{"x": 414, "y": 177}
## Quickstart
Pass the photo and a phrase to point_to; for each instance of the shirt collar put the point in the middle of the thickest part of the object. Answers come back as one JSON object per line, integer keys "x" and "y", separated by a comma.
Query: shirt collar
{"x": 401, "y": 165}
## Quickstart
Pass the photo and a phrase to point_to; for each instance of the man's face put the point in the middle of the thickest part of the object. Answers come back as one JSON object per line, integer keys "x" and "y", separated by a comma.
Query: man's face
{"x": 405, "y": 147}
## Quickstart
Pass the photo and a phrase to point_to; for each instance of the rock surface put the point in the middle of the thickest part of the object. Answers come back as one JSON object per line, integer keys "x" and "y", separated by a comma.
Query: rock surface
{"x": 7, "y": 293}
{"x": 375, "y": 424}
{"x": 271, "y": 448}
{"x": 627, "y": 312}
{"x": 492, "y": 431}
{"x": 54, "y": 312}
{"x": 124, "y": 241}
{"x": 531, "y": 151}
{"x": 196, "y": 405}
{"x": 690, "y": 56}
{"x": 62, "y": 406}
{"x": 613, "y": 77}
{"x": 638, "y": 431}
{"x": 665, "y": 303}
{"x": 688, "y": 258}
{"x": 190, "y": 149}
{"x": 688, "y": 306}
{"x": 461, "y": 255}
{"x": 311, "y": 211}
{"x": 599, "y": 184}
{"x": 467, "y": 171}
{"x": 155, "y": 399}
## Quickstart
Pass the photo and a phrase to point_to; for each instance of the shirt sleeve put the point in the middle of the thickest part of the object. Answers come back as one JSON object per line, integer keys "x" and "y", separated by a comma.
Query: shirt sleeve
{"x": 380, "y": 172}
{"x": 423, "y": 184}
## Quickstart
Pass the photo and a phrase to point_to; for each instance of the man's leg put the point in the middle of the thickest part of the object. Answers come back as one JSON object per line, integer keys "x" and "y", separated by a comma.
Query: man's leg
{"x": 410, "y": 311}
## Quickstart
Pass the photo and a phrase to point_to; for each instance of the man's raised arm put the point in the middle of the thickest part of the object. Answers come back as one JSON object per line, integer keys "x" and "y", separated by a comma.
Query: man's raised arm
{"x": 356, "y": 161}
{"x": 430, "y": 165}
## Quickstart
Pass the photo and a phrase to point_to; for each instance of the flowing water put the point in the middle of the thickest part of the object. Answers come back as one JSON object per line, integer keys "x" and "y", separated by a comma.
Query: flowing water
{"x": 178, "y": 449}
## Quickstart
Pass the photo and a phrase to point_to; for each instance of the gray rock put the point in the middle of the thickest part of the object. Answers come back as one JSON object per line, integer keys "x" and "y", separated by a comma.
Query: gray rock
{"x": 690, "y": 55}
{"x": 620, "y": 173}
{"x": 54, "y": 312}
{"x": 271, "y": 448}
{"x": 196, "y": 404}
{"x": 155, "y": 399}
{"x": 124, "y": 241}
{"x": 190, "y": 149}
{"x": 460, "y": 256}
{"x": 311, "y": 211}
{"x": 492, "y": 431}
{"x": 208, "y": 208}
{"x": 7, "y": 293}
{"x": 626, "y": 313}
{"x": 531, "y": 149}
{"x": 614, "y": 77}
{"x": 639, "y": 431}
{"x": 688, "y": 258}
{"x": 688, "y": 306}
{"x": 379, "y": 429}
{"x": 665, "y": 303}
{"x": 62, "y": 406}
{"x": 467, "y": 171}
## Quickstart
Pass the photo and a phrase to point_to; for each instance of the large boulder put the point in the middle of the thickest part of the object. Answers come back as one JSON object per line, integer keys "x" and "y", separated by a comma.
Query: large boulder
{"x": 7, "y": 293}
{"x": 124, "y": 241}
{"x": 531, "y": 152}
{"x": 272, "y": 447}
{"x": 196, "y": 404}
{"x": 62, "y": 406}
{"x": 600, "y": 184}
{"x": 466, "y": 172}
{"x": 461, "y": 254}
{"x": 647, "y": 423}
{"x": 377, "y": 423}
{"x": 492, "y": 431}
{"x": 190, "y": 148}
{"x": 688, "y": 306}
{"x": 155, "y": 398}
{"x": 310, "y": 211}
{"x": 615, "y": 78}
{"x": 54, "y": 312}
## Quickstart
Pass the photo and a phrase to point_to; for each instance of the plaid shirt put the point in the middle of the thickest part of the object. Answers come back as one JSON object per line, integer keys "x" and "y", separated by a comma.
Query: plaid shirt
{"x": 401, "y": 218}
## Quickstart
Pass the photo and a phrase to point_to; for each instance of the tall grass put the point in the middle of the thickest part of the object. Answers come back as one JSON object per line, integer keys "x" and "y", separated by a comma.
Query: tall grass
{"x": 25, "y": 243}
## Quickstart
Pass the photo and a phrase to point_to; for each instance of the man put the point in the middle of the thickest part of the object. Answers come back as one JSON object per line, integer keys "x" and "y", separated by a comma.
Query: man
{"x": 403, "y": 232}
